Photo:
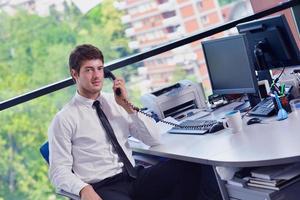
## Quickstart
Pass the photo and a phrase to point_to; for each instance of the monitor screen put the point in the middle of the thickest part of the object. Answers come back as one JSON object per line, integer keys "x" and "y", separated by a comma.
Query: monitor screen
{"x": 271, "y": 43}
{"x": 229, "y": 67}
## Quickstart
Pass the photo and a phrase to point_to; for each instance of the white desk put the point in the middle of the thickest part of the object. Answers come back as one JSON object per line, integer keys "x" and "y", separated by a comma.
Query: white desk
{"x": 276, "y": 142}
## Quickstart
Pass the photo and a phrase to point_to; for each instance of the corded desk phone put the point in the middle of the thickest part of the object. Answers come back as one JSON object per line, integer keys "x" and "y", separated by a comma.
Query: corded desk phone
{"x": 203, "y": 126}
{"x": 264, "y": 108}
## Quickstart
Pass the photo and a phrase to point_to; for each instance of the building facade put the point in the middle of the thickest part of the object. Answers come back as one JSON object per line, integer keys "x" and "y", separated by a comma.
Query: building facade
{"x": 151, "y": 23}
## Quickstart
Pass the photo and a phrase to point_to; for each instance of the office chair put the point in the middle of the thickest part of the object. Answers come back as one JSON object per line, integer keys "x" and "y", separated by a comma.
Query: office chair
{"x": 44, "y": 150}
{"x": 146, "y": 161}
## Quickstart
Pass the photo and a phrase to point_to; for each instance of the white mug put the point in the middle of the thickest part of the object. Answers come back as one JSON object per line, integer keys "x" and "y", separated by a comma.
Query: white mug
{"x": 233, "y": 120}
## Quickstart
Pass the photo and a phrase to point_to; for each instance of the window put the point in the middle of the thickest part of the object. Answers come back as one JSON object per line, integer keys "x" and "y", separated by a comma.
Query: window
{"x": 169, "y": 14}
{"x": 172, "y": 29}
{"x": 204, "y": 19}
{"x": 200, "y": 5}
{"x": 161, "y": 1}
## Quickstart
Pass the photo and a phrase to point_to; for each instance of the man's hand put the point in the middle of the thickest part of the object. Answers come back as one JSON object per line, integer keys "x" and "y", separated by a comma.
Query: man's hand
{"x": 120, "y": 83}
{"x": 88, "y": 193}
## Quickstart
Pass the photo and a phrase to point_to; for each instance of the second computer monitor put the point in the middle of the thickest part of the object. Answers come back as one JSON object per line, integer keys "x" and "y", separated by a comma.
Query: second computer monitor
{"x": 271, "y": 43}
{"x": 230, "y": 68}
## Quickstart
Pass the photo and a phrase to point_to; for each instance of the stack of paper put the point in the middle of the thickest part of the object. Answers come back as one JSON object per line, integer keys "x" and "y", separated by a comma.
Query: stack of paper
{"x": 275, "y": 177}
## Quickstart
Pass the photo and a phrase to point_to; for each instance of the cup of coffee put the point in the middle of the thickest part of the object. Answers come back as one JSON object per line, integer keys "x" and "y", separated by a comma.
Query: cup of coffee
{"x": 233, "y": 120}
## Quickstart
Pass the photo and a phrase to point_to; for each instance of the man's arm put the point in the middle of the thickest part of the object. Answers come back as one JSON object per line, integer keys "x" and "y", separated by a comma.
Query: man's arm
{"x": 145, "y": 129}
{"x": 141, "y": 127}
{"x": 60, "y": 158}
{"x": 88, "y": 193}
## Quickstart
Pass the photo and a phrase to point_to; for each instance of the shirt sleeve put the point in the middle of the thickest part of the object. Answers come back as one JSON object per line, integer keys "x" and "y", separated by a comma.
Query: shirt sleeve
{"x": 60, "y": 157}
{"x": 144, "y": 128}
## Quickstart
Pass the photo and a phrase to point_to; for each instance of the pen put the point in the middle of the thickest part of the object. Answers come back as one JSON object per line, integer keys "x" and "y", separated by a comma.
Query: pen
{"x": 282, "y": 89}
{"x": 275, "y": 88}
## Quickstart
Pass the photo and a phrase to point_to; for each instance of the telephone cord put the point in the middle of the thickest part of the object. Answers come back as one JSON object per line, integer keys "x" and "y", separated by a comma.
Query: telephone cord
{"x": 163, "y": 121}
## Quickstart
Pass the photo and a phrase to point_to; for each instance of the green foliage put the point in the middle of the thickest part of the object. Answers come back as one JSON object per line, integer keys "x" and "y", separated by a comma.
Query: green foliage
{"x": 34, "y": 52}
{"x": 180, "y": 74}
{"x": 224, "y": 2}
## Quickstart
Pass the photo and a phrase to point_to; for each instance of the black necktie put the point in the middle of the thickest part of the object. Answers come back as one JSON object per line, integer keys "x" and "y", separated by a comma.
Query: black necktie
{"x": 111, "y": 135}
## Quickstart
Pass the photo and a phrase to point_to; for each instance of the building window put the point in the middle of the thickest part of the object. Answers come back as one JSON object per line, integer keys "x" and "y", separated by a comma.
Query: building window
{"x": 169, "y": 14}
{"x": 138, "y": 24}
{"x": 200, "y": 5}
{"x": 204, "y": 19}
{"x": 171, "y": 29}
{"x": 161, "y": 1}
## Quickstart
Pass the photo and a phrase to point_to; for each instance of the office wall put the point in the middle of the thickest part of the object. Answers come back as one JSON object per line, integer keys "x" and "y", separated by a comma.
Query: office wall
{"x": 259, "y": 5}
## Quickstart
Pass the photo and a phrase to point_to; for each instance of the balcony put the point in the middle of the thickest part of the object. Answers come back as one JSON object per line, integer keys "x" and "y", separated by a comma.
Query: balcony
{"x": 166, "y": 6}
{"x": 129, "y": 32}
{"x": 120, "y": 5}
{"x": 134, "y": 45}
{"x": 125, "y": 19}
{"x": 171, "y": 21}
{"x": 175, "y": 35}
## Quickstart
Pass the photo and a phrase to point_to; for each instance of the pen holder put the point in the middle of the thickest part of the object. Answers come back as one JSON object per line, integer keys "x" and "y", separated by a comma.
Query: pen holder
{"x": 284, "y": 102}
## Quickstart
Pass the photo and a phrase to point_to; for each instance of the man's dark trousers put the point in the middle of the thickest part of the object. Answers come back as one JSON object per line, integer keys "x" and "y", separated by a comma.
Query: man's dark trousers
{"x": 168, "y": 180}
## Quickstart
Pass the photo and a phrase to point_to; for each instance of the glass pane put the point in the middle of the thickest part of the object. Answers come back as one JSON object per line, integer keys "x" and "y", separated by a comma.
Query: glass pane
{"x": 292, "y": 15}
{"x": 37, "y": 36}
{"x": 36, "y": 39}
{"x": 23, "y": 171}
{"x": 154, "y": 23}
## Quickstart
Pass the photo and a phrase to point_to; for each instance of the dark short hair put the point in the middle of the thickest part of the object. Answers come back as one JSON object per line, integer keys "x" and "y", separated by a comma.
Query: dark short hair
{"x": 83, "y": 53}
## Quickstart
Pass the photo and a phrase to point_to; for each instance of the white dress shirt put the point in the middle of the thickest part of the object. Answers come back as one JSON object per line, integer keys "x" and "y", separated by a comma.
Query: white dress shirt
{"x": 80, "y": 152}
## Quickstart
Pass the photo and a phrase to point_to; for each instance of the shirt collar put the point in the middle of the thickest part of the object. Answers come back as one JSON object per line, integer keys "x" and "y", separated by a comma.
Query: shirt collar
{"x": 86, "y": 101}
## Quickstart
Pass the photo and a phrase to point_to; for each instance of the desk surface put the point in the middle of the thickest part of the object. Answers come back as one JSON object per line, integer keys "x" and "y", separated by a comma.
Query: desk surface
{"x": 275, "y": 142}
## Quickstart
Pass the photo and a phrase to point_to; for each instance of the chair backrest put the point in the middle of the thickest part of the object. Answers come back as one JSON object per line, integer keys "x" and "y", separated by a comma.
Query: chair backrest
{"x": 141, "y": 159}
{"x": 44, "y": 150}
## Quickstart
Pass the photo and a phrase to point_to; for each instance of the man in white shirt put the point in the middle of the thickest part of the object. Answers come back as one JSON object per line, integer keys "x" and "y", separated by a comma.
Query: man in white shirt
{"x": 83, "y": 160}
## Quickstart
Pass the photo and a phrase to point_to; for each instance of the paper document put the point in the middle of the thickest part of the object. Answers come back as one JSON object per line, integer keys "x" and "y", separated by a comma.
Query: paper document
{"x": 286, "y": 171}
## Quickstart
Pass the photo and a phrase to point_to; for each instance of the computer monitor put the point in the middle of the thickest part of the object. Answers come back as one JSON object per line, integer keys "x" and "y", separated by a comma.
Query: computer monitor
{"x": 271, "y": 44}
{"x": 230, "y": 68}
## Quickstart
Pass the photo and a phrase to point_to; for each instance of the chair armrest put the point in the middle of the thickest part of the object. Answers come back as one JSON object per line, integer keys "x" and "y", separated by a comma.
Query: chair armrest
{"x": 67, "y": 194}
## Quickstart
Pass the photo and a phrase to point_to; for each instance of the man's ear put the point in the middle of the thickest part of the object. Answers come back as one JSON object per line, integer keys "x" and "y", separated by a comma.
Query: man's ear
{"x": 74, "y": 75}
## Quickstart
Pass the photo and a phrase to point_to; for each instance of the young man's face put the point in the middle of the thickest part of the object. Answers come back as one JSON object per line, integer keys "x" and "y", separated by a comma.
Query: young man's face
{"x": 89, "y": 80}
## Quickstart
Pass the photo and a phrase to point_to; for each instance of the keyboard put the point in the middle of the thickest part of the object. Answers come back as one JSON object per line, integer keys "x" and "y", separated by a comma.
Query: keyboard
{"x": 197, "y": 127}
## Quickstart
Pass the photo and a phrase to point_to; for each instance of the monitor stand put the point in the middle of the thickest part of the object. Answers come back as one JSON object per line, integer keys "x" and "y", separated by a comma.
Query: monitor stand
{"x": 253, "y": 100}
{"x": 244, "y": 107}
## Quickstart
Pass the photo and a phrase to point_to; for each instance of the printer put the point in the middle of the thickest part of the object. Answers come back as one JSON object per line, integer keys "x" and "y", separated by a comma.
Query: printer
{"x": 178, "y": 100}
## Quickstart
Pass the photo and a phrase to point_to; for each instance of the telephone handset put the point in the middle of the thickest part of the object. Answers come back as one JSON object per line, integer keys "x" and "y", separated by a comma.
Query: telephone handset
{"x": 108, "y": 74}
{"x": 210, "y": 127}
